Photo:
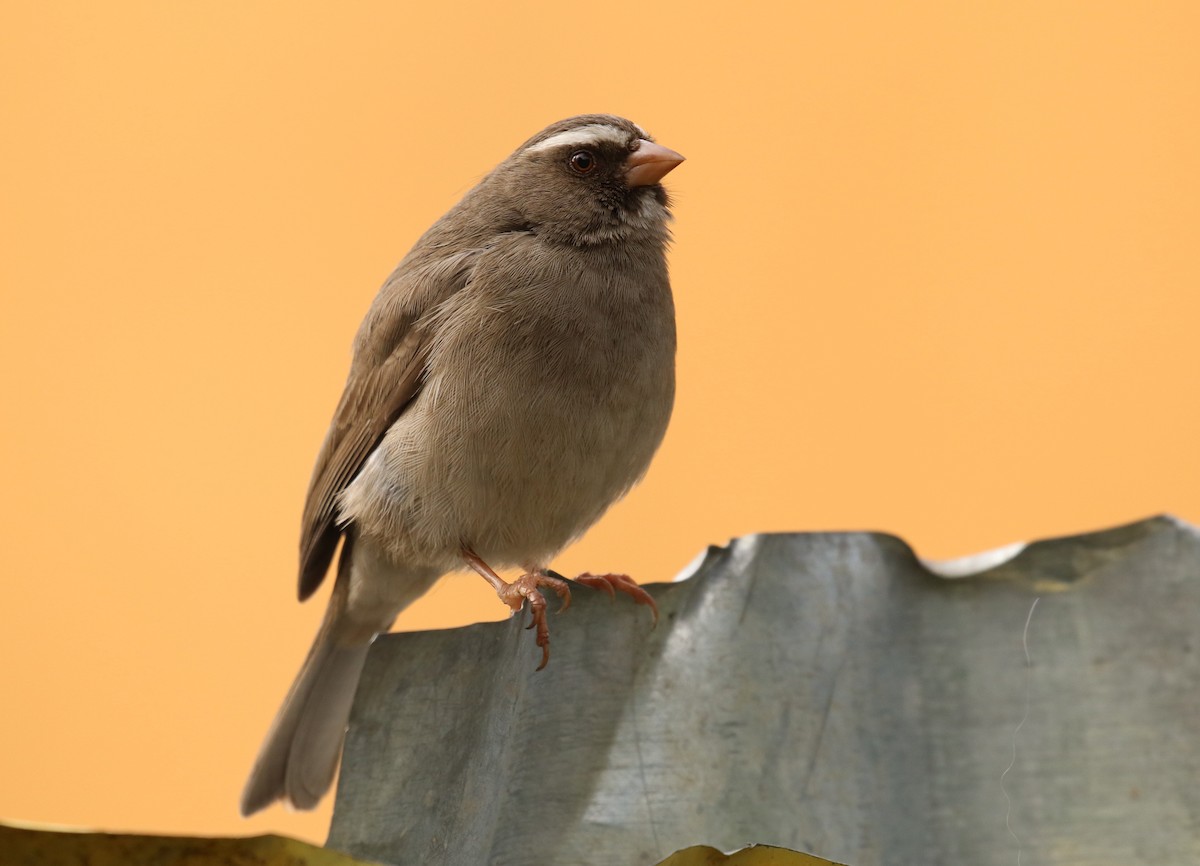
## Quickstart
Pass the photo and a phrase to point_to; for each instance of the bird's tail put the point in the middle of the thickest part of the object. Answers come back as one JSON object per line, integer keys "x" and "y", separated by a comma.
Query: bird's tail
{"x": 299, "y": 756}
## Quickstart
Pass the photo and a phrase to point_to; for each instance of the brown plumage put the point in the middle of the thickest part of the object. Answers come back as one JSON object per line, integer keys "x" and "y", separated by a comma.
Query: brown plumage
{"x": 511, "y": 380}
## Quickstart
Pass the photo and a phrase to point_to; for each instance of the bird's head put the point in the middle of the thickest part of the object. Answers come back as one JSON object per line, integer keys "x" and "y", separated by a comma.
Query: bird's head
{"x": 587, "y": 180}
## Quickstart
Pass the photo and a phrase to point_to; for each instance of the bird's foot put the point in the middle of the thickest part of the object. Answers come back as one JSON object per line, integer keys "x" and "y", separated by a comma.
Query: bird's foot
{"x": 525, "y": 588}
{"x": 611, "y": 582}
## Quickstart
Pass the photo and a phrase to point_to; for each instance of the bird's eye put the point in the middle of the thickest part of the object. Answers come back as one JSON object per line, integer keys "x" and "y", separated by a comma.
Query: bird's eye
{"x": 582, "y": 161}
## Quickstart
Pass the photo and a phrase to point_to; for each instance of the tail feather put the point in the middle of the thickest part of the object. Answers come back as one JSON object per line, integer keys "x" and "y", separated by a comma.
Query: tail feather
{"x": 299, "y": 757}
{"x": 300, "y": 754}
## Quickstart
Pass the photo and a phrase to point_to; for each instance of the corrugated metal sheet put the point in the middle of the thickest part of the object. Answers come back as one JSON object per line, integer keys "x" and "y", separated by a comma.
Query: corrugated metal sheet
{"x": 822, "y": 692}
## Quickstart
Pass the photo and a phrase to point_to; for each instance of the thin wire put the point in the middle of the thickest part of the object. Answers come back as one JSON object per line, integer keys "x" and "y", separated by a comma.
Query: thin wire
{"x": 1017, "y": 729}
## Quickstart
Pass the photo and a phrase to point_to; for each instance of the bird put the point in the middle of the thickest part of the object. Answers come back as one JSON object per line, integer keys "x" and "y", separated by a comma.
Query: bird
{"x": 512, "y": 378}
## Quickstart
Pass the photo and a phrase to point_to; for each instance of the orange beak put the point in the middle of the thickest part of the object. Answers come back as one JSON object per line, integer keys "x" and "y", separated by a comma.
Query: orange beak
{"x": 649, "y": 164}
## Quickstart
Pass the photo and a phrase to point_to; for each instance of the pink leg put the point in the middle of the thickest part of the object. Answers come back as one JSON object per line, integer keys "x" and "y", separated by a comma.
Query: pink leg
{"x": 524, "y": 588}
{"x": 622, "y": 582}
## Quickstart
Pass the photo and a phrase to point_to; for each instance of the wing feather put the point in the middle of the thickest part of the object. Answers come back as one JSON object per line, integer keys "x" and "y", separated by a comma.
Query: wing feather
{"x": 391, "y": 351}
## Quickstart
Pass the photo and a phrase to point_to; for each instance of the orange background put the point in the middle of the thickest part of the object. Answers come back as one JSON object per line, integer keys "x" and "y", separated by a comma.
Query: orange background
{"x": 937, "y": 270}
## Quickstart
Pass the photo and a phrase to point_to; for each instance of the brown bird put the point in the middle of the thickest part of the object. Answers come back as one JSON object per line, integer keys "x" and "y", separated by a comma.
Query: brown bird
{"x": 512, "y": 379}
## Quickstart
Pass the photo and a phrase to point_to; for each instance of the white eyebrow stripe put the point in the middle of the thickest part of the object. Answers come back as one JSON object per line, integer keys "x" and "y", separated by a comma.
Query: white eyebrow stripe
{"x": 593, "y": 133}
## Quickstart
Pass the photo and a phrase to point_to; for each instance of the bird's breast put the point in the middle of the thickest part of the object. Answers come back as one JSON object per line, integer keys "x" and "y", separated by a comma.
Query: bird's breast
{"x": 545, "y": 400}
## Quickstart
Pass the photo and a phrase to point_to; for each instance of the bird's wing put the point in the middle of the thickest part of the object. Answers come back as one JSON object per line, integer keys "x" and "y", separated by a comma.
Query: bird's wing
{"x": 391, "y": 350}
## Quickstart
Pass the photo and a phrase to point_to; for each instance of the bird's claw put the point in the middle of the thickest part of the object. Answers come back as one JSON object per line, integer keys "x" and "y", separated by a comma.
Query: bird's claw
{"x": 611, "y": 582}
{"x": 526, "y": 588}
